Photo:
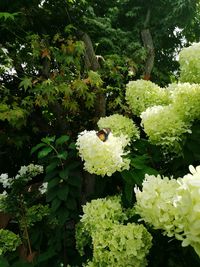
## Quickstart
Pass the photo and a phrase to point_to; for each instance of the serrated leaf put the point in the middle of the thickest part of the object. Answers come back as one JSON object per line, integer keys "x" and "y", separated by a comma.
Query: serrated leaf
{"x": 61, "y": 140}
{"x": 26, "y": 83}
{"x": 38, "y": 146}
{"x": 44, "y": 152}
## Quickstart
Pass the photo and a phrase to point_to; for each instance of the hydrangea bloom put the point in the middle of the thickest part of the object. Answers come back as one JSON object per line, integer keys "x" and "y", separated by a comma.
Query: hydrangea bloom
{"x": 185, "y": 100}
{"x": 155, "y": 203}
{"x": 142, "y": 94}
{"x": 190, "y": 64}
{"x": 100, "y": 210}
{"x": 122, "y": 245}
{"x": 164, "y": 126}
{"x": 113, "y": 243}
{"x": 119, "y": 125}
{"x": 98, "y": 214}
{"x": 188, "y": 206}
{"x": 102, "y": 158}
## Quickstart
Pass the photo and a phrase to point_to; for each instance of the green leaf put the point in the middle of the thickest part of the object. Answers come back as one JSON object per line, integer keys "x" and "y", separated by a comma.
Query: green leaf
{"x": 52, "y": 166}
{"x": 49, "y": 139}
{"x": 38, "y": 146}
{"x": 55, "y": 204}
{"x": 72, "y": 145}
{"x": 128, "y": 194}
{"x": 26, "y": 83}
{"x": 6, "y": 15}
{"x": 139, "y": 162}
{"x": 46, "y": 255}
{"x": 63, "y": 192}
{"x": 63, "y": 139}
{"x": 64, "y": 174}
{"x": 73, "y": 165}
{"x": 133, "y": 177}
{"x": 54, "y": 182}
{"x": 51, "y": 194}
{"x": 63, "y": 215}
{"x": 63, "y": 155}
{"x": 44, "y": 152}
{"x": 71, "y": 204}
{"x": 3, "y": 262}
{"x": 51, "y": 175}
{"x": 75, "y": 180}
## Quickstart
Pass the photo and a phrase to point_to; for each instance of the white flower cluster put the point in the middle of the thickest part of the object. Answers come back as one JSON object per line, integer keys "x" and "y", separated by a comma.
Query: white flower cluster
{"x": 30, "y": 170}
{"x": 5, "y": 180}
{"x": 173, "y": 206}
{"x": 119, "y": 124}
{"x": 155, "y": 202}
{"x": 43, "y": 188}
{"x": 25, "y": 173}
{"x": 188, "y": 206}
{"x": 102, "y": 158}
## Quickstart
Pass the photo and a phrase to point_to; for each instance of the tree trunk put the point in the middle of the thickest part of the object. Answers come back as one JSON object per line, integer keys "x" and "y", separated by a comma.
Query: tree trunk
{"x": 91, "y": 63}
{"x": 148, "y": 44}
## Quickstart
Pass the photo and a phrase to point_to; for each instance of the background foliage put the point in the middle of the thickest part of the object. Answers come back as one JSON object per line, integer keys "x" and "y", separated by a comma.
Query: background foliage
{"x": 63, "y": 65}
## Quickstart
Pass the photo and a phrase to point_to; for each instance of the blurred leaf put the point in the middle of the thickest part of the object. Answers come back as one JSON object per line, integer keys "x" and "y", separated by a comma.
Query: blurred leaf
{"x": 55, "y": 204}
{"x": 44, "y": 152}
{"x": 64, "y": 174}
{"x": 61, "y": 140}
{"x": 63, "y": 155}
{"x": 38, "y": 146}
{"x": 48, "y": 139}
{"x": 63, "y": 192}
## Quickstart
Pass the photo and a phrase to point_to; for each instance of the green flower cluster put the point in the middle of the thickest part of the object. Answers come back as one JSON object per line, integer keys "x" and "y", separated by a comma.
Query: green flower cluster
{"x": 36, "y": 213}
{"x": 142, "y": 94}
{"x": 8, "y": 241}
{"x": 185, "y": 100}
{"x": 113, "y": 243}
{"x": 173, "y": 206}
{"x": 120, "y": 125}
{"x": 164, "y": 126}
{"x": 190, "y": 64}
